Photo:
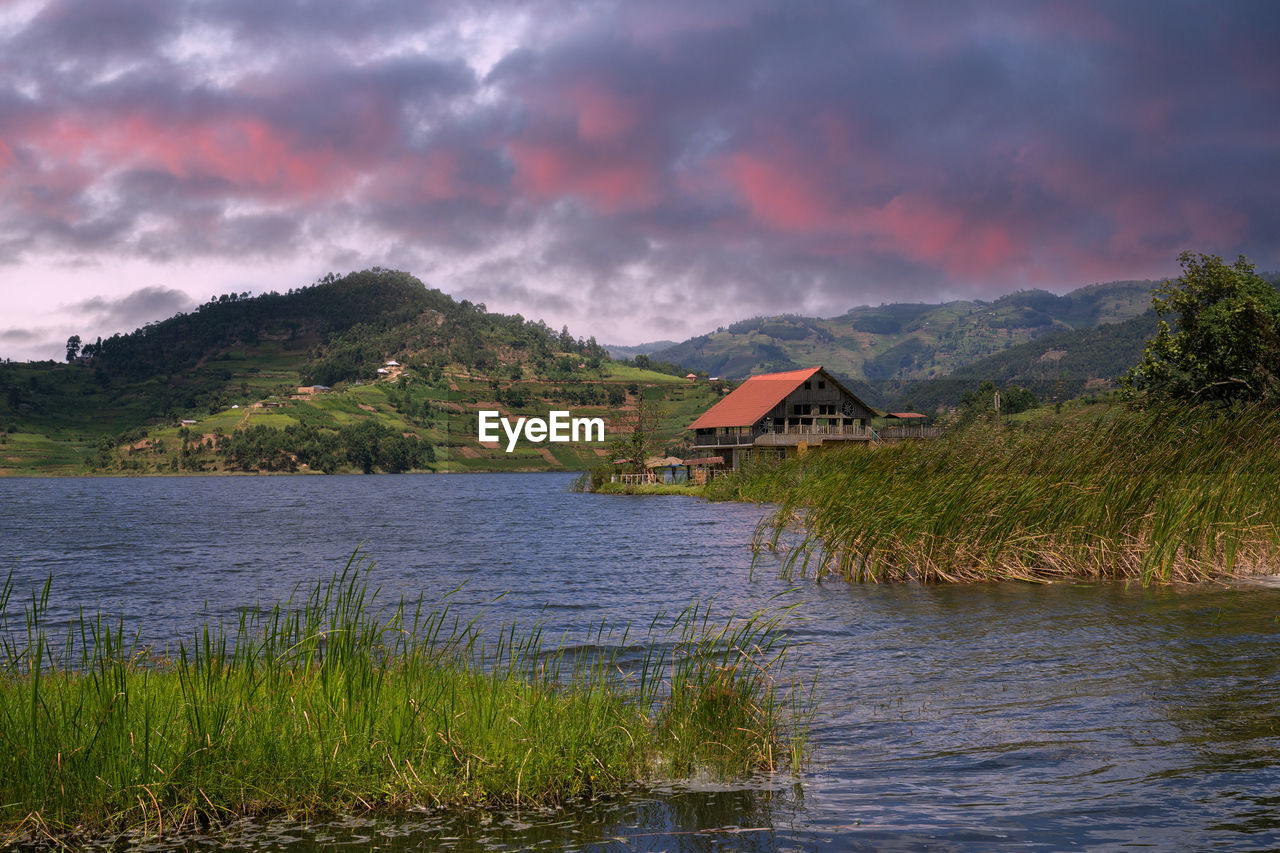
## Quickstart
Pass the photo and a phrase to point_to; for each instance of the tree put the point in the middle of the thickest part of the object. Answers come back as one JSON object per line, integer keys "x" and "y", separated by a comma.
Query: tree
{"x": 73, "y": 347}
{"x": 981, "y": 401}
{"x": 635, "y": 434}
{"x": 1225, "y": 343}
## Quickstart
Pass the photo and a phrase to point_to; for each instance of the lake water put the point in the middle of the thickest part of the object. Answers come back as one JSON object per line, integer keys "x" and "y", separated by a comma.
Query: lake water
{"x": 951, "y": 718}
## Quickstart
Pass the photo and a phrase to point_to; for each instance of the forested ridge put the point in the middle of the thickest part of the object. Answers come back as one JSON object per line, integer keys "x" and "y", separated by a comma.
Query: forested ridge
{"x": 1060, "y": 365}
{"x": 345, "y": 324}
{"x": 892, "y": 345}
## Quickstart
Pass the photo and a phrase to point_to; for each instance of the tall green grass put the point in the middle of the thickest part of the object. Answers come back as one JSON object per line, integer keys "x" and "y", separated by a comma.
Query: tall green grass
{"x": 1164, "y": 495}
{"x": 332, "y": 702}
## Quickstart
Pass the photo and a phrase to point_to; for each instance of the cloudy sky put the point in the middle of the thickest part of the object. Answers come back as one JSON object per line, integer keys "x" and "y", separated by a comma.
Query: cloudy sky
{"x": 635, "y": 170}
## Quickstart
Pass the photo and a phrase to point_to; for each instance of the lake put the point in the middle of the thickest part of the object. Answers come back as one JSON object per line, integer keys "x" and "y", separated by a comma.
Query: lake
{"x": 950, "y": 718}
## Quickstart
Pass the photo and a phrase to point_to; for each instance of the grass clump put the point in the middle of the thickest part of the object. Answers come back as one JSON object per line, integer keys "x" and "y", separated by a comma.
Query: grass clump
{"x": 331, "y": 703}
{"x": 689, "y": 490}
{"x": 1157, "y": 495}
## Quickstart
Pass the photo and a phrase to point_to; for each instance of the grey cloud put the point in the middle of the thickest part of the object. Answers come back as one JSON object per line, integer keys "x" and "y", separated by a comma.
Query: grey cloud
{"x": 263, "y": 234}
{"x": 141, "y": 306}
{"x": 501, "y": 285}
{"x": 19, "y": 336}
{"x": 289, "y": 21}
{"x": 32, "y": 344}
{"x": 87, "y": 30}
{"x": 1082, "y": 134}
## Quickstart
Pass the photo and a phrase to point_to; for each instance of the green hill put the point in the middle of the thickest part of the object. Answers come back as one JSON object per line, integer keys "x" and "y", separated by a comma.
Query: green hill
{"x": 1060, "y": 365}
{"x": 892, "y": 345}
{"x": 218, "y": 389}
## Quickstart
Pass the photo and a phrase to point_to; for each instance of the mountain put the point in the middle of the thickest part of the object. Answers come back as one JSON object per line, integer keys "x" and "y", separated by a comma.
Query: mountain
{"x": 220, "y": 388}
{"x": 1057, "y": 366}
{"x": 893, "y": 344}
{"x": 618, "y": 351}
{"x": 1060, "y": 365}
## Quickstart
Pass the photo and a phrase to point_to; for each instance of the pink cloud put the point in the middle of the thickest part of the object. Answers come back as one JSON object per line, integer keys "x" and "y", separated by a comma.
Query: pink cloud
{"x": 788, "y": 192}
{"x": 589, "y": 141}
{"x": 609, "y": 181}
{"x": 247, "y": 152}
{"x": 949, "y": 237}
{"x": 436, "y": 175}
{"x": 779, "y": 193}
{"x": 603, "y": 116}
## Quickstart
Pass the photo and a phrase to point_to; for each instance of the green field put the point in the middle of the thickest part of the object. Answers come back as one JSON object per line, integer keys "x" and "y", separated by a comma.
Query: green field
{"x": 443, "y": 414}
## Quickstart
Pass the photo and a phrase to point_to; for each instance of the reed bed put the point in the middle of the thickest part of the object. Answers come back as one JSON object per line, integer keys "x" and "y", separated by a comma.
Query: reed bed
{"x": 1155, "y": 495}
{"x": 331, "y": 703}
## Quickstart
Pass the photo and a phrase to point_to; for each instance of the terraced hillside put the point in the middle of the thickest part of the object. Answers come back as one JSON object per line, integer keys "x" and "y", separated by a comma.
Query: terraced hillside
{"x": 218, "y": 389}
{"x": 1057, "y": 366}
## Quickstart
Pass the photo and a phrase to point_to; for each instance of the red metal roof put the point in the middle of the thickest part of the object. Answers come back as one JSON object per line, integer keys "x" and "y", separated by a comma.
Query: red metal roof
{"x": 753, "y": 399}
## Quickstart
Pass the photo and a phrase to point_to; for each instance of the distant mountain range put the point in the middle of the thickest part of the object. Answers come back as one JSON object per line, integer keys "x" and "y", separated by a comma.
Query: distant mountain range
{"x": 619, "y": 351}
{"x": 899, "y": 343}
{"x": 1057, "y": 366}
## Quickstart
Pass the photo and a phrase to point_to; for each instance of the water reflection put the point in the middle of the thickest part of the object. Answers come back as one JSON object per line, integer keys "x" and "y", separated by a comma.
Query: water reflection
{"x": 753, "y": 819}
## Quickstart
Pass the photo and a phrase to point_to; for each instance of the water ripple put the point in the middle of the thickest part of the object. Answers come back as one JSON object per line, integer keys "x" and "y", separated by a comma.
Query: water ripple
{"x": 952, "y": 718}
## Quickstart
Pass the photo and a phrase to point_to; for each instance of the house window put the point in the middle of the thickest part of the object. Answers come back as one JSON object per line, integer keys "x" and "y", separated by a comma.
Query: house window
{"x": 801, "y": 409}
{"x": 821, "y": 385}
{"x": 808, "y": 386}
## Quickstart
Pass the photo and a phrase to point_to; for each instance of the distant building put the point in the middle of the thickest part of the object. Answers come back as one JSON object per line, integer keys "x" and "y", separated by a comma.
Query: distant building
{"x": 703, "y": 468}
{"x": 900, "y": 425}
{"x": 313, "y": 389}
{"x": 782, "y": 414}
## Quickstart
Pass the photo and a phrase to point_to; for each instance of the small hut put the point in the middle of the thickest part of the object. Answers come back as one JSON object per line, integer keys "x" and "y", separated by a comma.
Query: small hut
{"x": 703, "y": 468}
{"x": 666, "y": 469}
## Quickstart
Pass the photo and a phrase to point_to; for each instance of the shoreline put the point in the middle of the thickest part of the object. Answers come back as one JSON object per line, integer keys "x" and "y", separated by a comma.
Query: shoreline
{"x": 374, "y": 711}
{"x": 1155, "y": 496}
{"x": 128, "y": 475}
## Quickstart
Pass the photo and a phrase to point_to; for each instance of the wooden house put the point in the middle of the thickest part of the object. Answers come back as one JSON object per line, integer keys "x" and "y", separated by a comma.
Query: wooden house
{"x": 782, "y": 414}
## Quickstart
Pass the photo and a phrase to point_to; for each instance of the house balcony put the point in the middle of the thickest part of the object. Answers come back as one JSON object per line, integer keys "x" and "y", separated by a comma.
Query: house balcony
{"x": 786, "y": 436}
{"x": 793, "y": 435}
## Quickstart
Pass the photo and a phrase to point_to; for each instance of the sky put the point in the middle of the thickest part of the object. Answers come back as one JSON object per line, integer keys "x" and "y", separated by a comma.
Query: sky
{"x": 634, "y": 170}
